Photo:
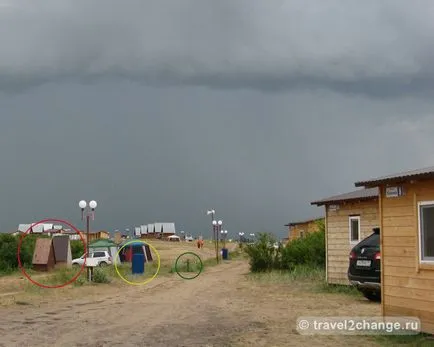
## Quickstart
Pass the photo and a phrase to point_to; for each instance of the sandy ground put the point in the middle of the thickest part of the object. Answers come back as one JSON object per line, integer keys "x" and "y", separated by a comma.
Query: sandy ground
{"x": 221, "y": 307}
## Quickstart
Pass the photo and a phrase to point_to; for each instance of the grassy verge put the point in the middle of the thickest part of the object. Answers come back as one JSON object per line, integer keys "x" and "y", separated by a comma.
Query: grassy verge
{"x": 101, "y": 276}
{"x": 324, "y": 287}
{"x": 421, "y": 340}
{"x": 301, "y": 275}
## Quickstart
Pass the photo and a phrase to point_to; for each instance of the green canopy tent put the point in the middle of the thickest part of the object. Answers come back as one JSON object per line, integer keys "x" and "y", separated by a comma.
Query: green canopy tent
{"x": 105, "y": 245}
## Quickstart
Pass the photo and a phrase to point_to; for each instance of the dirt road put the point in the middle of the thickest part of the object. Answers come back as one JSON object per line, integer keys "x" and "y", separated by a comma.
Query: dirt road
{"x": 219, "y": 308}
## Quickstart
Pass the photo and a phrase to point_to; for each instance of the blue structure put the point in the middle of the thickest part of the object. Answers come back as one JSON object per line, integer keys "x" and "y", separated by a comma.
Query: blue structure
{"x": 225, "y": 253}
{"x": 135, "y": 247}
{"x": 138, "y": 264}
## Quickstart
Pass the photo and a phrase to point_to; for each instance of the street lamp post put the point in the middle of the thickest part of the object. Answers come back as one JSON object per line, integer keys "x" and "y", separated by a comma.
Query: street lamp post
{"x": 241, "y": 236}
{"x": 212, "y": 213}
{"x": 217, "y": 226}
{"x": 89, "y": 213}
{"x": 224, "y": 234}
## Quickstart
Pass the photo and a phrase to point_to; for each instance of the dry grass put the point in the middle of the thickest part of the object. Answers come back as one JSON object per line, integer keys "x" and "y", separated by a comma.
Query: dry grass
{"x": 17, "y": 289}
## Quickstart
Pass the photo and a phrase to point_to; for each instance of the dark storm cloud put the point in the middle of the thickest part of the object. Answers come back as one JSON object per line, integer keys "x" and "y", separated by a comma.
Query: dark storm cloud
{"x": 264, "y": 106}
{"x": 153, "y": 154}
{"x": 376, "y": 48}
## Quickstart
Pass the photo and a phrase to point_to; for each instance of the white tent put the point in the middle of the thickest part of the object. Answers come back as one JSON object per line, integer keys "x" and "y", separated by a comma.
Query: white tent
{"x": 37, "y": 228}
{"x": 137, "y": 231}
{"x": 24, "y": 227}
{"x": 150, "y": 229}
{"x": 158, "y": 228}
{"x": 47, "y": 227}
{"x": 174, "y": 238}
{"x": 143, "y": 229}
{"x": 168, "y": 228}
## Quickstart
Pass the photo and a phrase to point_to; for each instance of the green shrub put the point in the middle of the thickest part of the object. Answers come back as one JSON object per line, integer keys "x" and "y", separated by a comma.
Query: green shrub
{"x": 308, "y": 251}
{"x": 8, "y": 253}
{"x": 9, "y": 248}
{"x": 100, "y": 276}
{"x": 263, "y": 256}
{"x": 64, "y": 275}
{"x": 77, "y": 248}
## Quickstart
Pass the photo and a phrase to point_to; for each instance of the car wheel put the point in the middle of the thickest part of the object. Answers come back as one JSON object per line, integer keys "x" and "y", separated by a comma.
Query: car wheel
{"x": 371, "y": 295}
{"x": 102, "y": 264}
{"x": 75, "y": 265}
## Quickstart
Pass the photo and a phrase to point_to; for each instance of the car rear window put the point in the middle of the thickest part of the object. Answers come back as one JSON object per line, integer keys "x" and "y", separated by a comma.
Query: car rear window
{"x": 371, "y": 241}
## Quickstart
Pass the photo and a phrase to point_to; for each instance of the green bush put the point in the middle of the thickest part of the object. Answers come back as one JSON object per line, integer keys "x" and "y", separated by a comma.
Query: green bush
{"x": 263, "y": 256}
{"x": 308, "y": 251}
{"x": 8, "y": 253}
{"x": 77, "y": 248}
{"x": 100, "y": 276}
{"x": 64, "y": 275}
{"x": 9, "y": 248}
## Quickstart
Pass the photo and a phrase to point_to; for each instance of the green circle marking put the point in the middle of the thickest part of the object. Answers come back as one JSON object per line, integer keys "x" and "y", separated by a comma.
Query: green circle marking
{"x": 188, "y": 278}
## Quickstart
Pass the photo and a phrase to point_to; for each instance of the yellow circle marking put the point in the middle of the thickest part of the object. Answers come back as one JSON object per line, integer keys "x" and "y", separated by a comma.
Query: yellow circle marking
{"x": 149, "y": 279}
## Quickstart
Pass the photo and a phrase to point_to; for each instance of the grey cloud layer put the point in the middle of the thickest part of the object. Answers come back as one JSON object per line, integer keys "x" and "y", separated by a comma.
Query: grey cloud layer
{"x": 149, "y": 154}
{"x": 380, "y": 48}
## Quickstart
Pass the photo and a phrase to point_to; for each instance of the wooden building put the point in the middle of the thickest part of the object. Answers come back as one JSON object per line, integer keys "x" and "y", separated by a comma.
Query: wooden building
{"x": 349, "y": 218}
{"x": 93, "y": 235}
{"x": 301, "y": 228}
{"x": 43, "y": 255}
{"x": 406, "y": 204}
{"x": 62, "y": 251}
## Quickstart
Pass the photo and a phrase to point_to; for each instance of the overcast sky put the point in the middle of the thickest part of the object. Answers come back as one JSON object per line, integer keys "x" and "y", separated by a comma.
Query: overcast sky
{"x": 160, "y": 109}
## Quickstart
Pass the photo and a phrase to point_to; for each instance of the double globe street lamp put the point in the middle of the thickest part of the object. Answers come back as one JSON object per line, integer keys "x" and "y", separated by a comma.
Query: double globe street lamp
{"x": 217, "y": 227}
{"x": 224, "y": 234}
{"x": 90, "y": 212}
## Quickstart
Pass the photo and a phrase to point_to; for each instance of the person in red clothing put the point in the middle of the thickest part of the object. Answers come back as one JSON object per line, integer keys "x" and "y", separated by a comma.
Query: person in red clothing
{"x": 129, "y": 255}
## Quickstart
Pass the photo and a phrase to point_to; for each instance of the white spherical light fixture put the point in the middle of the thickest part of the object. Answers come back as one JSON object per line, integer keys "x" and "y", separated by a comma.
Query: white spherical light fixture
{"x": 93, "y": 204}
{"x": 82, "y": 204}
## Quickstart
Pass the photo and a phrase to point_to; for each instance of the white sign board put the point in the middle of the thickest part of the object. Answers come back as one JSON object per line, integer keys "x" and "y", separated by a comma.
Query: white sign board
{"x": 394, "y": 192}
{"x": 333, "y": 207}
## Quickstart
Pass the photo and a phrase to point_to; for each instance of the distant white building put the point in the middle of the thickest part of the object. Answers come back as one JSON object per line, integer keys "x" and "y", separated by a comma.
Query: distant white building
{"x": 156, "y": 230}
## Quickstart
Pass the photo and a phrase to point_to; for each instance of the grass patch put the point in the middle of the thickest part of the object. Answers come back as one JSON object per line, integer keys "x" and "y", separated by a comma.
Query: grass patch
{"x": 324, "y": 287}
{"x": 237, "y": 254}
{"x": 304, "y": 274}
{"x": 299, "y": 273}
{"x": 420, "y": 340}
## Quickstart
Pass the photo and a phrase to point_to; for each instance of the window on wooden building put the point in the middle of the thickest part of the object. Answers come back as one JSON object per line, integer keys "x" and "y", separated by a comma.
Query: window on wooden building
{"x": 301, "y": 234}
{"x": 426, "y": 231}
{"x": 354, "y": 229}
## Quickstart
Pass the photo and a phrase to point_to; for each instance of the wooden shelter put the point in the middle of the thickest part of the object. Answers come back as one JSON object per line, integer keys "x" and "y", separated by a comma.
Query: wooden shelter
{"x": 43, "y": 255}
{"x": 62, "y": 251}
{"x": 406, "y": 205}
{"x": 302, "y": 228}
{"x": 349, "y": 218}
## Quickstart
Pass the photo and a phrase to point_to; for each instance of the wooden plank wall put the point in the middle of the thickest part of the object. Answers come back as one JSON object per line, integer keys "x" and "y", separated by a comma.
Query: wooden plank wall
{"x": 338, "y": 235}
{"x": 308, "y": 227}
{"x": 407, "y": 285}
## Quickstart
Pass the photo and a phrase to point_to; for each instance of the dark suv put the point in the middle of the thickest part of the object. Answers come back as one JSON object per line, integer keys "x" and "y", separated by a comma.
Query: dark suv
{"x": 364, "y": 271}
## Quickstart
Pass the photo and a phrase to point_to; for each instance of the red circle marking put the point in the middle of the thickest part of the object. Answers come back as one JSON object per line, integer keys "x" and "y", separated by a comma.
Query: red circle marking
{"x": 28, "y": 231}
